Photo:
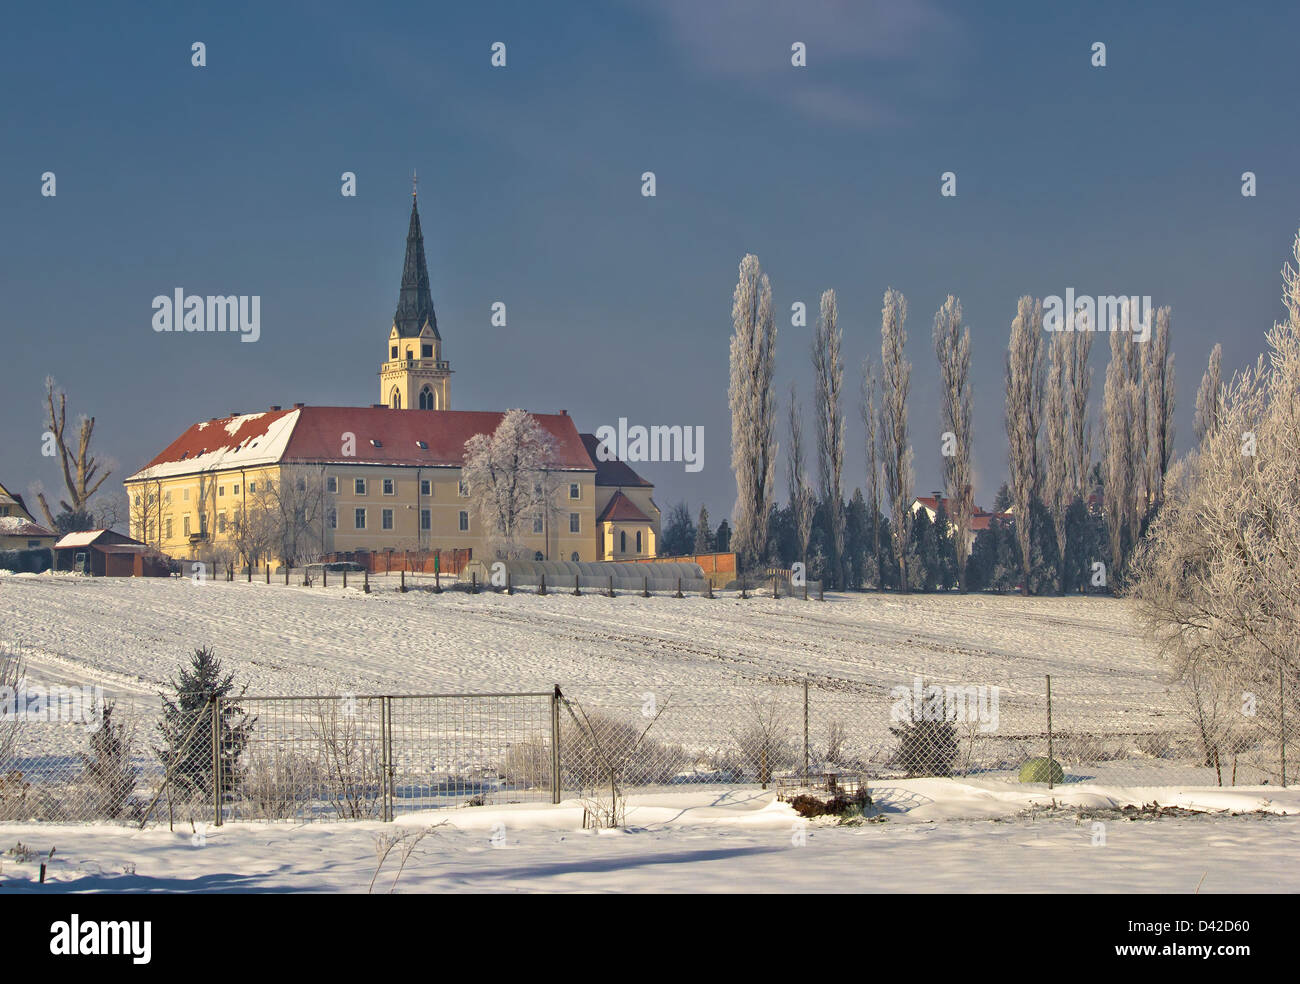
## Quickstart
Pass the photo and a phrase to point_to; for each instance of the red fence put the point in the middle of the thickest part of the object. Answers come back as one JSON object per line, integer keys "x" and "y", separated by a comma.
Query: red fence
{"x": 449, "y": 562}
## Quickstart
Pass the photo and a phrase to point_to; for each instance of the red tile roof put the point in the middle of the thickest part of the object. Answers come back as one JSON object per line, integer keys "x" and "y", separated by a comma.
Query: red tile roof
{"x": 612, "y": 472}
{"x": 621, "y": 509}
{"x": 382, "y": 437}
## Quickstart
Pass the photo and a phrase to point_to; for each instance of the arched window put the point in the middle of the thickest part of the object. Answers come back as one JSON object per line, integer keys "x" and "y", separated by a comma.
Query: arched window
{"x": 622, "y": 541}
{"x": 395, "y": 399}
{"x": 426, "y": 399}
{"x": 638, "y": 541}
{"x": 538, "y": 555}
{"x": 574, "y": 556}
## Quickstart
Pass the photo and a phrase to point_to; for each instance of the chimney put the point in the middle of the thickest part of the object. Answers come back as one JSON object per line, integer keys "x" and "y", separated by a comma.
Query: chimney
{"x": 234, "y": 413}
{"x": 564, "y": 413}
{"x": 275, "y": 406}
{"x": 299, "y": 406}
{"x": 377, "y": 406}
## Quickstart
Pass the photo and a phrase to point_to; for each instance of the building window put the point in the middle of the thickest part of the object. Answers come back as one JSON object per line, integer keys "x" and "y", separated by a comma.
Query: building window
{"x": 359, "y": 486}
{"x": 386, "y": 519}
{"x": 185, "y": 526}
{"x": 462, "y": 489}
{"x": 638, "y": 541}
{"x": 332, "y": 484}
{"x": 221, "y": 522}
{"x": 574, "y": 491}
{"x": 426, "y": 399}
{"x": 622, "y": 541}
{"x": 426, "y": 487}
{"x": 185, "y": 495}
{"x": 221, "y": 490}
{"x": 464, "y": 521}
{"x": 252, "y": 487}
{"x": 538, "y": 556}
{"x": 332, "y": 518}
{"x": 426, "y": 351}
{"x": 359, "y": 522}
{"x": 203, "y": 523}
{"x": 169, "y": 527}
{"x": 388, "y": 486}
{"x": 426, "y": 519}
{"x": 537, "y": 524}
{"x": 574, "y": 556}
{"x": 167, "y": 496}
{"x": 235, "y": 491}
{"x": 575, "y": 523}
{"x": 392, "y": 352}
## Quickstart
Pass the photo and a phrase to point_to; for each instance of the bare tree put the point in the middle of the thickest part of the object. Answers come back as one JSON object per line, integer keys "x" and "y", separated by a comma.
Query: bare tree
{"x": 1024, "y": 376}
{"x": 300, "y": 501}
{"x": 12, "y": 677}
{"x": 801, "y": 496}
{"x": 145, "y": 512}
{"x": 895, "y": 384}
{"x": 828, "y": 365}
{"x": 952, "y": 347}
{"x": 1056, "y": 471}
{"x": 753, "y": 409}
{"x": 255, "y": 526}
{"x": 79, "y": 467}
{"x": 1209, "y": 397}
{"x": 506, "y": 475}
{"x": 1158, "y": 384}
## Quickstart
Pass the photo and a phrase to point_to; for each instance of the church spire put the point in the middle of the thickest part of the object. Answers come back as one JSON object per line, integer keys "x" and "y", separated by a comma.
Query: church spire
{"x": 415, "y": 302}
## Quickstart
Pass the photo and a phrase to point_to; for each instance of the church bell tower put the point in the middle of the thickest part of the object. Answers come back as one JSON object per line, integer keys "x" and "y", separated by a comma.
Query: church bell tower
{"x": 414, "y": 376}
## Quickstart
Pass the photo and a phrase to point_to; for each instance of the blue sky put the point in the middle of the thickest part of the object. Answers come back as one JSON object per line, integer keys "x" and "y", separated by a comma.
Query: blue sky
{"x": 225, "y": 179}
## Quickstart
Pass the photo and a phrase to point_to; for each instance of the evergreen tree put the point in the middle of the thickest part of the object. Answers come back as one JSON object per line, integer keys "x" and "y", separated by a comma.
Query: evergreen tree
{"x": 186, "y": 727}
{"x": 73, "y": 521}
{"x": 944, "y": 531}
{"x": 926, "y": 551}
{"x": 857, "y": 540}
{"x": 703, "y": 534}
{"x": 1002, "y": 501}
{"x": 679, "y": 532}
{"x": 722, "y": 538}
{"x": 109, "y": 771}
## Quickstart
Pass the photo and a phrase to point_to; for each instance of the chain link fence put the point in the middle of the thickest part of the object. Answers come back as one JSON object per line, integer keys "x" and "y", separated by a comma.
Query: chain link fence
{"x": 71, "y": 755}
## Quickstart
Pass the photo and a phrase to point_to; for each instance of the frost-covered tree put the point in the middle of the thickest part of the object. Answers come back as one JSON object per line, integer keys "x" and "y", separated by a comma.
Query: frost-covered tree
{"x": 703, "y": 533}
{"x": 895, "y": 384}
{"x": 1056, "y": 495}
{"x": 952, "y": 347}
{"x": 871, "y": 430}
{"x": 1158, "y": 384}
{"x": 1024, "y": 379}
{"x": 1217, "y": 582}
{"x": 506, "y": 475}
{"x": 1120, "y": 452}
{"x": 801, "y": 494}
{"x": 1209, "y": 397}
{"x": 1079, "y": 383}
{"x": 753, "y": 409}
{"x": 828, "y": 366}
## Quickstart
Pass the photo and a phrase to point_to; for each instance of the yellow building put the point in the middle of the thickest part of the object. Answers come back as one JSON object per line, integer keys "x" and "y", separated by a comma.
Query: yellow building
{"x": 307, "y": 481}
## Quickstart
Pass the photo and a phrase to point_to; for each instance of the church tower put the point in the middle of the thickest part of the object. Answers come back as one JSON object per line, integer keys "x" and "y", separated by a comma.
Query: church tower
{"x": 414, "y": 376}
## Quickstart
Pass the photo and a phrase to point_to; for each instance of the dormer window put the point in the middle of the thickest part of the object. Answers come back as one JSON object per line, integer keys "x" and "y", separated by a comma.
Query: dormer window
{"x": 423, "y": 446}
{"x": 376, "y": 443}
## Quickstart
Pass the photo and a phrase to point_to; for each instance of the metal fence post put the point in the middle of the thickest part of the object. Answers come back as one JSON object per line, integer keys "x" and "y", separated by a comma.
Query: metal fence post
{"x": 216, "y": 761}
{"x": 1281, "y": 706}
{"x": 1050, "y": 758}
{"x": 386, "y": 753}
{"x": 555, "y": 744}
{"x": 805, "y": 729}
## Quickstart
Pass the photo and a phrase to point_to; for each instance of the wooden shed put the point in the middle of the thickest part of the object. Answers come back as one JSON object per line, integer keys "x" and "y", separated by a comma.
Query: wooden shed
{"x": 105, "y": 553}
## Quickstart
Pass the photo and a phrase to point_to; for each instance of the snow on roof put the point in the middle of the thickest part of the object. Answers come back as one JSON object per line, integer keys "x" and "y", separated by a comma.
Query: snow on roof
{"x": 83, "y": 539}
{"x": 380, "y": 436}
{"x": 252, "y": 440}
{"x": 21, "y": 526}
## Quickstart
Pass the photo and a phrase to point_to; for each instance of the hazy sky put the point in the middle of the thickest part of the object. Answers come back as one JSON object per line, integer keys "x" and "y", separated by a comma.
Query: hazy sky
{"x": 226, "y": 180}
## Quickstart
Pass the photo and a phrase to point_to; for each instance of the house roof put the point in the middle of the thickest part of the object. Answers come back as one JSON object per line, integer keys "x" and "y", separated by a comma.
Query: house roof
{"x": 103, "y": 539}
{"x": 979, "y": 519}
{"x": 315, "y": 435}
{"x": 612, "y": 472}
{"x": 621, "y": 509}
{"x": 22, "y": 526}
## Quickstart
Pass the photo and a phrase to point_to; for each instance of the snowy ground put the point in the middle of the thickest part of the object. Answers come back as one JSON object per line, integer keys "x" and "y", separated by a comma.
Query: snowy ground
{"x": 993, "y": 837}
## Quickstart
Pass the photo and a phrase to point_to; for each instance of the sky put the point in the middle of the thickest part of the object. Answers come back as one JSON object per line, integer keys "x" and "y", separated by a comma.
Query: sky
{"x": 226, "y": 178}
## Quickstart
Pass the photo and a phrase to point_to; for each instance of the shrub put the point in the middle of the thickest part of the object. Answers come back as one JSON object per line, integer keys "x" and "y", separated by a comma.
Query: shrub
{"x": 1042, "y": 770}
{"x": 109, "y": 773}
{"x": 925, "y": 747}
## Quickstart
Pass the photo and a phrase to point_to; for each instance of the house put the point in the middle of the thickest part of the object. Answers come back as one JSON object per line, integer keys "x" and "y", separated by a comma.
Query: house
{"x": 18, "y": 529}
{"x": 387, "y": 477}
{"x": 105, "y": 553}
{"x": 980, "y": 518}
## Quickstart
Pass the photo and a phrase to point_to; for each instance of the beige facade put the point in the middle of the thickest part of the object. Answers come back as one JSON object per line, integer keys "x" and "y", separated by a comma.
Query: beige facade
{"x": 415, "y": 376}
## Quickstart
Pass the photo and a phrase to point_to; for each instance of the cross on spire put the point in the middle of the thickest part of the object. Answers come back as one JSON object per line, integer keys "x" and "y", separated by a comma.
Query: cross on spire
{"x": 415, "y": 183}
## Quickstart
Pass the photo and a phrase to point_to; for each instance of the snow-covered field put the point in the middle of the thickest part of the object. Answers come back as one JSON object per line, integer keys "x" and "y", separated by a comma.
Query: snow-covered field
{"x": 993, "y": 838}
